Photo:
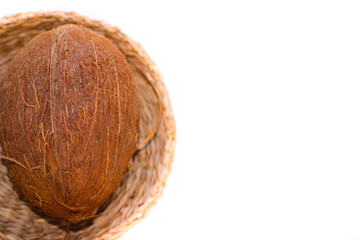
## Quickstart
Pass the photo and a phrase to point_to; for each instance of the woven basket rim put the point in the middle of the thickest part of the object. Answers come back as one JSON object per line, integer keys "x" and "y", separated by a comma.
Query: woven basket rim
{"x": 153, "y": 75}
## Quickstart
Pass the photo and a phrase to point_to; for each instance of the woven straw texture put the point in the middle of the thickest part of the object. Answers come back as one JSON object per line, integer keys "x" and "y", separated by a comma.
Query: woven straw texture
{"x": 145, "y": 179}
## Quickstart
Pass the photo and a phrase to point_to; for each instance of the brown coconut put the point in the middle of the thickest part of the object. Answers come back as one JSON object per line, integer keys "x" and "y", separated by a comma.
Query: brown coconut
{"x": 69, "y": 121}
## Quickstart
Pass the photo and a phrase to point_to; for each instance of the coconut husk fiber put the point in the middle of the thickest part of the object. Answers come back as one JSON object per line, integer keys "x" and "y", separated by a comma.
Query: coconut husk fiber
{"x": 143, "y": 182}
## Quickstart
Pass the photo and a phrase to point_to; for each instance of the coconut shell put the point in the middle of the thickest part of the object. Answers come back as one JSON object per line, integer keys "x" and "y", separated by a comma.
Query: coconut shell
{"x": 70, "y": 118}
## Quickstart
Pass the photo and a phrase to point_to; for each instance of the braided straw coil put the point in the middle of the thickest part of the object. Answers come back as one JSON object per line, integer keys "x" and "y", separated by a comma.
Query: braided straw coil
{"x": 145, "y": 179}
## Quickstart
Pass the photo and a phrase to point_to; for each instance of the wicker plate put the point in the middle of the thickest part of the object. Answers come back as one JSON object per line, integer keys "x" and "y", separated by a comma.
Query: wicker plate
{"x": 142, "y": 184}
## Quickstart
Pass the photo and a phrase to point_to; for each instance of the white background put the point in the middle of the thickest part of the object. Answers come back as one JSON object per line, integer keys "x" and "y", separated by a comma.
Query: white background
{"x": 266, "y": 97}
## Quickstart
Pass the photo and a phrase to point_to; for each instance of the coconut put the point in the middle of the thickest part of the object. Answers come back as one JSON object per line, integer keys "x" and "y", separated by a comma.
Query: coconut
{"x": 69, "y": 121}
